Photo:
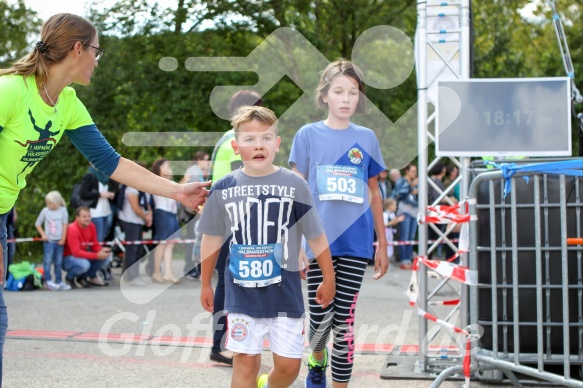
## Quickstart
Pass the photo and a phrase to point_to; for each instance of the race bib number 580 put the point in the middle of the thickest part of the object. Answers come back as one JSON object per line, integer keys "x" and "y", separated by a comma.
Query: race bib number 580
{"x": 255, "y": 265}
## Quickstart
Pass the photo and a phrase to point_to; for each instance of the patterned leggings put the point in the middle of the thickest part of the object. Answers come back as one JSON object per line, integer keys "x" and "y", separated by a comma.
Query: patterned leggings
{"x": 339, "y": 315}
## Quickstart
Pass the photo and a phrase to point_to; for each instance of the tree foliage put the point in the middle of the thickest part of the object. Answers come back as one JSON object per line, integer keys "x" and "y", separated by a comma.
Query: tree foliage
{"x": 508, "y": 45}
{"x": 18, "y": 23}
{"x": 131, "y": 93}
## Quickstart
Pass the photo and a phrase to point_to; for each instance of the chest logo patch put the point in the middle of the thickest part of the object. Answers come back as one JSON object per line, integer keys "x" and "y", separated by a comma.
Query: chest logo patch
{"x": 355, "y": 155}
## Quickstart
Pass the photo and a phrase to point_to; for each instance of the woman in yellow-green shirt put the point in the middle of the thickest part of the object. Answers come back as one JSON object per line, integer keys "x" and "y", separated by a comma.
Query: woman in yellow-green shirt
{"x": 38, "y": 106}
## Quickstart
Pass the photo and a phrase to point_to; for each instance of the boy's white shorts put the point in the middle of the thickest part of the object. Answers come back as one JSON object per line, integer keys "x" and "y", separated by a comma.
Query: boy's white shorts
{"x": 245, "y": 335}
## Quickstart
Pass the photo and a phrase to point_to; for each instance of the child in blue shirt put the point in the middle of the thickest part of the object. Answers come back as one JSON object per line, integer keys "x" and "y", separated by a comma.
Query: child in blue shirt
{"x": 341, "y": 162}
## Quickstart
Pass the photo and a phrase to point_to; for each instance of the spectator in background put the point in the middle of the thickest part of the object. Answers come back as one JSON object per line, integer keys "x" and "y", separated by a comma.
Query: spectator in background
{"x": 406, "y": 191}
{"x": 95, "y": 187}
{"x": 52, "y": 223}
{"x": 391, "y": 220}
{"x": 384, "y": 185}
{"x": 165, "y": 225}
{"x": 134, "y": 212}
{"x": 451, "y": 174}
{"x": 436, "y": 175}
{"x": 223, "y": 161}
{"x": 394, "y": 176}
{"x": 84, "y": 256}
{"x": 204, "y": 164}
{"x": 198, "y": 172}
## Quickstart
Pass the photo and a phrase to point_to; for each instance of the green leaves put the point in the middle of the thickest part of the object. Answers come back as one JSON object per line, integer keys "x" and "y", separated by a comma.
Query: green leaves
{"x": 130, "y": 93}
{"x": 19, "y": 27}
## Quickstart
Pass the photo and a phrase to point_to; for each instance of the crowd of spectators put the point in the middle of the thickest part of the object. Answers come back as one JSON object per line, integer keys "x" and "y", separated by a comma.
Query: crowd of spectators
{"x": 80, "y": 248}
{"x": 399, "y": 192}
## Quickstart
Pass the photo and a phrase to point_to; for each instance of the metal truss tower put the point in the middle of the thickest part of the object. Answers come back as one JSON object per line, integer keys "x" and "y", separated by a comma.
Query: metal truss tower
{"x": 442, "y": 53}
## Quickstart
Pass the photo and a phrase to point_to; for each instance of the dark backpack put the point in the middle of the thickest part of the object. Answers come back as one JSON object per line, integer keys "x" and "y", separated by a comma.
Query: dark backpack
{"x": 76, "y": 201}
{"x": 120, "y": 197}
{"x": 31, "y": 283}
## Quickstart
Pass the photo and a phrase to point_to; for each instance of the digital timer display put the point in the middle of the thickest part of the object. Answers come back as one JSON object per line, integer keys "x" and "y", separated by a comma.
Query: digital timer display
{"x": 504, "y": 117}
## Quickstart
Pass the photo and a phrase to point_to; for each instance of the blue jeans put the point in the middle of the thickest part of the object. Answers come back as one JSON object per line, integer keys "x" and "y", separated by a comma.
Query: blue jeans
{"x": 76, "y": 267}
{"x": 407, "y": 230}
{"x": 53, "y": 255}
{"x": 3, "y": 311}
{"x": 102, "y": 226}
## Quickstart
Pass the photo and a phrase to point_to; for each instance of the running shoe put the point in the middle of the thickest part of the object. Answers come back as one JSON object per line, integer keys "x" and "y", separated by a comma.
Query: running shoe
{"x": 262, "y": 380}
{"x": 317, "y": 373}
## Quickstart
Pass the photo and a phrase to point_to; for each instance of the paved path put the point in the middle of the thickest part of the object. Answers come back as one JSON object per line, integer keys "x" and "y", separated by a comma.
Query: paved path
{"x": 159, "y": 336}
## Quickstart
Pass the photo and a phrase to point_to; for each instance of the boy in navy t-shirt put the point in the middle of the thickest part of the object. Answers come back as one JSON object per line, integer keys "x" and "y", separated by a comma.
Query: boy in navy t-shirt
{"x": 260, "y": 213}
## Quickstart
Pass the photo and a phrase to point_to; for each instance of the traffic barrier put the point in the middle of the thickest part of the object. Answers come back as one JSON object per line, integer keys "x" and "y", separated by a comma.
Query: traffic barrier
{"x": 529, "y": 297}
{"x": 447, "y": 271}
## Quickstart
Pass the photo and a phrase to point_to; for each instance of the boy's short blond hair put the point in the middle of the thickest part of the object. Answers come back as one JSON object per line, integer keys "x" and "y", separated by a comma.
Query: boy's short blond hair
{"x": 248, "y": 113}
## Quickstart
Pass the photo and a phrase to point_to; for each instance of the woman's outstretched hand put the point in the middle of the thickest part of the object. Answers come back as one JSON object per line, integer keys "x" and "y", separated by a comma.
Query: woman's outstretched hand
{"x": 193, "y": 194}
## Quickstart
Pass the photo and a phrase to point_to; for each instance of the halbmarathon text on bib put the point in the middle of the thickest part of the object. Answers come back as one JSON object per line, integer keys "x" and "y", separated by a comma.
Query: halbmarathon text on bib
{"x": 341, "y": 183}
{"x": 256, "y": 265}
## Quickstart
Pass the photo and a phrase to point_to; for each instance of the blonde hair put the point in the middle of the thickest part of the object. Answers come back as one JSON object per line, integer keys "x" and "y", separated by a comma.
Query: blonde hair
{"x": 58, "y": 35}
{"x": 340, "y": 67}
{"x": 388, "y": 202}
{"x": 247, "y": 113}
{"x": 56, "y": 198}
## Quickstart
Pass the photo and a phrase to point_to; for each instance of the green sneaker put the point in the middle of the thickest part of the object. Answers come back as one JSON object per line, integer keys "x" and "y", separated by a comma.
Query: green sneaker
{"x": 262, "y": 380}
{"x": 317, "y": 372}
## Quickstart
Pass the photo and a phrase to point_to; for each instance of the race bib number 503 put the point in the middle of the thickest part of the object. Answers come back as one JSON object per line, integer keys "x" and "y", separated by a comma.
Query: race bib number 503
{"x": 255, "y": 265}
{"x": 341, "y": 183}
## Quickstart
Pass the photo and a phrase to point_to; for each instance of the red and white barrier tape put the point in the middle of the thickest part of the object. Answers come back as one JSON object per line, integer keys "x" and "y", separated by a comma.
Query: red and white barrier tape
{"x": 135, "y": 242}
{"x": 452, "y": 271}
{"x": 144, "y": 242}
{"x": 441, "y": 322}
{"x": 467, "y": 362}
{"x": 413, "y": 290}
{"x": 451, "y": 302}
{"x": 412, "y": 242}
{"x": 25, "y": 239}
{"x": 446, "y": 269}
{"x": 447, "y": 214}
{"x": 186, "y": 241}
